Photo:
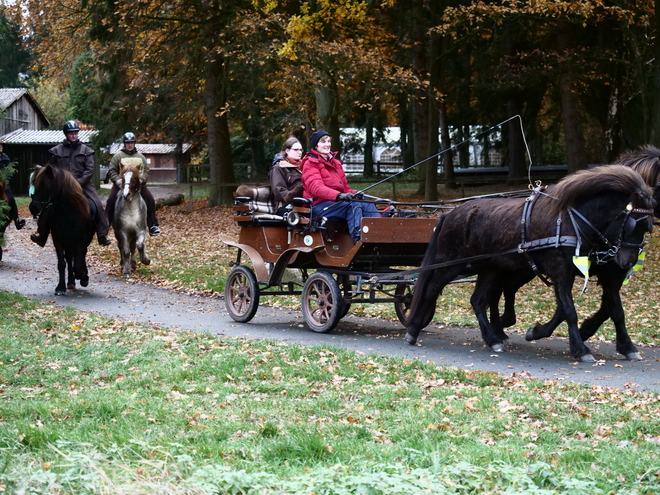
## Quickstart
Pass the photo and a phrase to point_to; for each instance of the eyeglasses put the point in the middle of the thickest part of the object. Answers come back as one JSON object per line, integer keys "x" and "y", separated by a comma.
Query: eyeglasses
{"x": 296, "y": 149}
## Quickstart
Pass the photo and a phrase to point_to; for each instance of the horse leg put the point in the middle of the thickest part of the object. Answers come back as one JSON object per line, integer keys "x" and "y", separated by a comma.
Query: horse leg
{"x": 611, "y": 306}
{"x": 70, "y": 268}
{"x": 428, "y": 287}
{"x": 81, "y": 267}
{"x": 485, "y": 293}
{"x": 564, "y": 296}
{"x": 60, "y": 290}
{"x": 508, "y": 318}
{"x": 144, "y": 259}
{"x": 124, "y": 252}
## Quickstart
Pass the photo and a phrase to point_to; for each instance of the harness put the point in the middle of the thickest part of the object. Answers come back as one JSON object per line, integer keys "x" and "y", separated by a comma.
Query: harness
{"x": 556, "y": 241}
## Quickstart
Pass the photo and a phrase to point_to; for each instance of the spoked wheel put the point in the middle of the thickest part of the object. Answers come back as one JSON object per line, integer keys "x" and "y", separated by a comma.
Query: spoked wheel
{"x": 402, "y": 307}
{"x": 321, "y": 302}
{"x": 241, "y": 294}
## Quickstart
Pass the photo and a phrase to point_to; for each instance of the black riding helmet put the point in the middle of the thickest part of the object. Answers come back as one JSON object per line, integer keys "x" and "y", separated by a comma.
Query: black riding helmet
{"x": 128, "y": 137}
{"x": 70, "y": 126}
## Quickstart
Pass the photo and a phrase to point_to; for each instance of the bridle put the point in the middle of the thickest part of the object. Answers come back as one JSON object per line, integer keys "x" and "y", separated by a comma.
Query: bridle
{"x": 628, "y": 226}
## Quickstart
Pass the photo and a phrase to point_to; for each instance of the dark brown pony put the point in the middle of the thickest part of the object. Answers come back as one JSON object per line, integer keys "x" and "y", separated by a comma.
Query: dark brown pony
{"x": 69, "y": 219}
{"x": 646, "y": 162}
{"x": 484, "y": 237}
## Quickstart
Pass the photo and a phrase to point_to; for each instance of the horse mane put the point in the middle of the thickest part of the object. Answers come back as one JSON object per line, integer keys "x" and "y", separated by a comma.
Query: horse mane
{"x": 645, "y": 161}
{"x": 62, "y": 186}
{"x": 585, "y": 184}
{"x": 129, "y": 167}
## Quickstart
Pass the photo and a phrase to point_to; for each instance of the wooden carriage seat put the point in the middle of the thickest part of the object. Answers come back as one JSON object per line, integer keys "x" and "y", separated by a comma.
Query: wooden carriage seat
{"x": 255, "y": 204}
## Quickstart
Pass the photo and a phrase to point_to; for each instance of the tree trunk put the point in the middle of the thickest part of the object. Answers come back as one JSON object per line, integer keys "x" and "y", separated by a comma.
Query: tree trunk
{"x": 369, "y": 146}
{"x": 421, "y": 102}
{"x": 220, "y": 161}
{"x": 517, "y": 169}
{"x": 448, "y": 154}
{"x": 570, "y": 106}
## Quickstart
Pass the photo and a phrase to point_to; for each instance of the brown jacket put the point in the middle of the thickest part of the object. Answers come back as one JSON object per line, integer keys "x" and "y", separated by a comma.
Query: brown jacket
{"x": 285, "y": 182}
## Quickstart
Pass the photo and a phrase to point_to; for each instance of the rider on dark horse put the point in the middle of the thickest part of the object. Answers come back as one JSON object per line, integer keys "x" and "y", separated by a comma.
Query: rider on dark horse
{"x": 130, "y": 155}
{"x": 11, "y": 201}
{"x": 77, "y": 158}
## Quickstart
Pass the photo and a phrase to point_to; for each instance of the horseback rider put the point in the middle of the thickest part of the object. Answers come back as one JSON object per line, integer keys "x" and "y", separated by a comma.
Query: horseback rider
{"x": 77, "y": 158}
{"x": 130, "y": 155}
{"x": 11, "y": 201}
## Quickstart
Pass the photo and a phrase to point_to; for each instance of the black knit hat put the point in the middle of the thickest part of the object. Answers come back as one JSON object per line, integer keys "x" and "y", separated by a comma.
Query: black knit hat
{"x": 316, "y": 137}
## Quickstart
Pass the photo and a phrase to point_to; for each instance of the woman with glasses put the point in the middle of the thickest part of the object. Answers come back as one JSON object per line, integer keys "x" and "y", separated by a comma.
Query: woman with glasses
{"x": 285, "y": 176}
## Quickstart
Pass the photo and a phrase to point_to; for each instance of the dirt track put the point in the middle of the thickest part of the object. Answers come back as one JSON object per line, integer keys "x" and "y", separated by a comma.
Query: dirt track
{"x": 31, "y": 271}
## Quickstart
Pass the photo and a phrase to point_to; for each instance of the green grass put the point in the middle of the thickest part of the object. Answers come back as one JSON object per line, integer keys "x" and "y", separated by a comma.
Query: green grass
{"x": 91, "y": 405}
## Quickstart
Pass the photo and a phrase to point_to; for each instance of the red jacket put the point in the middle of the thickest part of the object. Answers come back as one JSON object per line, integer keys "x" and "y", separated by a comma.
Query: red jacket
{"x": 323, "y": 179}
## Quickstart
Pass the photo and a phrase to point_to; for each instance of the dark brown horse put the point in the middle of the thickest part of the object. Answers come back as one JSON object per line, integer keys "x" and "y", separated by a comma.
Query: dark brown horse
{"x": 69, "y": 220}
{"x": 601, "y": 213}
{"x": 646, "y": 162}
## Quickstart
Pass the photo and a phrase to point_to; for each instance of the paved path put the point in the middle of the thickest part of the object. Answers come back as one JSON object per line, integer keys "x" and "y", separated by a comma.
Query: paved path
{"x": 31, "y": 271}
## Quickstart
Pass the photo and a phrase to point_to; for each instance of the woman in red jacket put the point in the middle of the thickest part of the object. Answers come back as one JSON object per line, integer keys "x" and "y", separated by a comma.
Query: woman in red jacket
{"x": 325, "y": 183}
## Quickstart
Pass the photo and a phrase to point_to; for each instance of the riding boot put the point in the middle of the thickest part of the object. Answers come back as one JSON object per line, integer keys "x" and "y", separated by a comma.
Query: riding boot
{"x": 42, "y": 228}
{"x": 152, "y": 221}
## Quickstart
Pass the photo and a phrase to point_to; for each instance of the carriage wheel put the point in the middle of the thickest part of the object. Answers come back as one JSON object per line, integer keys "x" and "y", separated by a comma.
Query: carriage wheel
{"x": 321, "y": 302}
{"x": 404, "y": 293}
{"x": 241, "y": 294}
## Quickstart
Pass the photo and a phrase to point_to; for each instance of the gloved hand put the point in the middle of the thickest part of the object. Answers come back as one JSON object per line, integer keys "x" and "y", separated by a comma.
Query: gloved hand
{"x": 359, "y": 195}
{"x": 118, "y": 184}
{"x": 345, "y": 197}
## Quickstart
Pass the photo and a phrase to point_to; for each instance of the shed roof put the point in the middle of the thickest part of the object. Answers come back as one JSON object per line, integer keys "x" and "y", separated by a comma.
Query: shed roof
{"x": 21, "y": 136}
{"x": 152, "y": 149}
{"x": 10, "y": 95}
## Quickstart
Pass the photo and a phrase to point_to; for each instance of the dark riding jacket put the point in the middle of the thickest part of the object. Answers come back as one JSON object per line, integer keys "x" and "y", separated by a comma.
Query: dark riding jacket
{"x": 78, "y": 159}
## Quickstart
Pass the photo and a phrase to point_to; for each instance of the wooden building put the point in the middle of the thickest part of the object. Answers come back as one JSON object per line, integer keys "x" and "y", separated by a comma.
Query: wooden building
{"x": 20, "y": 111}
{"x": 29, "y": 148}
{"x": 165, "y": 164}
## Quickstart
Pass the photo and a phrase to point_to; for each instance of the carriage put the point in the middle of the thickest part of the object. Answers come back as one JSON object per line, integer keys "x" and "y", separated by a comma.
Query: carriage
{"x": 344, "y": 272}
{"x": 599, "y": 216}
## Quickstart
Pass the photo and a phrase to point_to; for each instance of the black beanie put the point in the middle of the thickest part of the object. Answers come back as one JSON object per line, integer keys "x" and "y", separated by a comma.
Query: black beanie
{"x": 316, "y": 137}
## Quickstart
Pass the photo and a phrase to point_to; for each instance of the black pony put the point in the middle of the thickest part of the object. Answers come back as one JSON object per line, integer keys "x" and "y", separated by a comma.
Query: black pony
{"x": 646, "y": 162}
{"x": 69, "y": 220}
{"x": 602, "y": 213}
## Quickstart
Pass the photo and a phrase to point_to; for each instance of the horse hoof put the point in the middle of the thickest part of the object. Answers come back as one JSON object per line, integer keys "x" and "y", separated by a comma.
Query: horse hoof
{"x": 146, "y": 261}
{"x": 84, "y": 282}
{"x": 71, "y": 285}
{"x": 126, "y": 276}
{"x": 587, "y": 358}
{"x": 410, "y": 339}
{"x": 529, "y": 336}
{"x": 634, "y": 356}
{"x": 498, "y": 347}
{"x": 60, "y": 292}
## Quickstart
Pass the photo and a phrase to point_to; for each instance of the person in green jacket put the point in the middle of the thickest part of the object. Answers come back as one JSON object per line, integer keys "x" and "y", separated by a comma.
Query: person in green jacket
{"x": 130, "y": 154}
